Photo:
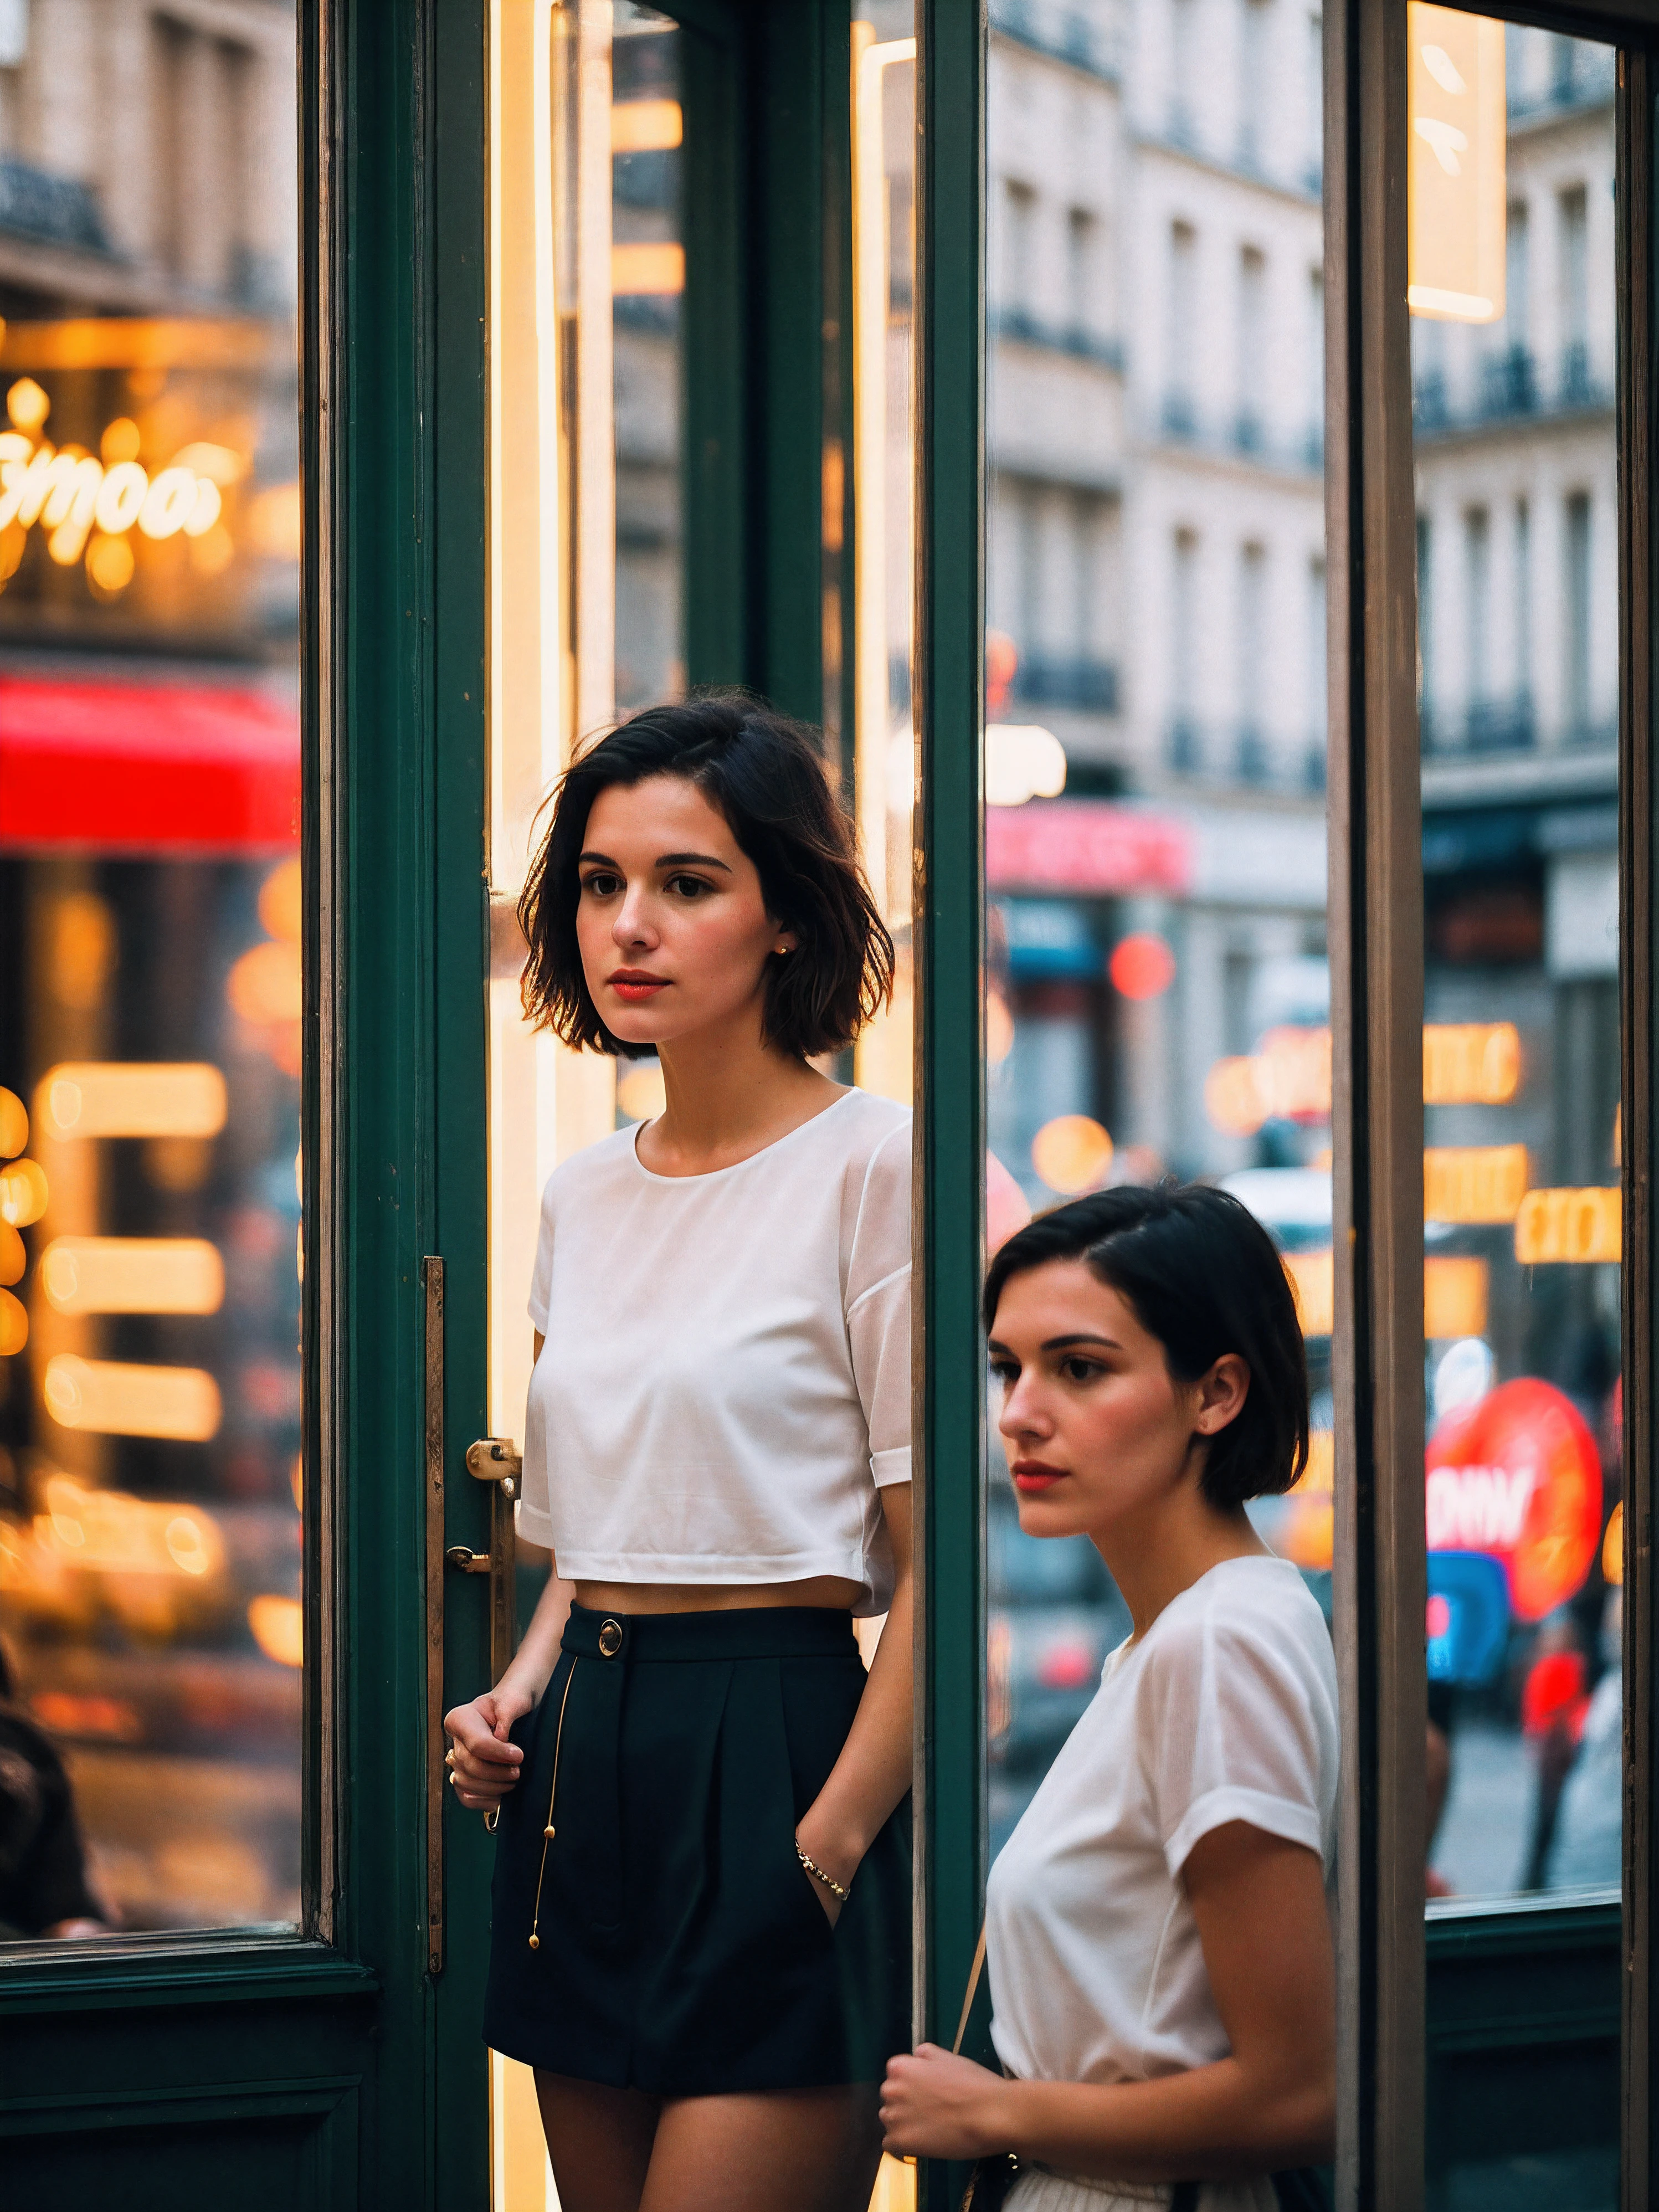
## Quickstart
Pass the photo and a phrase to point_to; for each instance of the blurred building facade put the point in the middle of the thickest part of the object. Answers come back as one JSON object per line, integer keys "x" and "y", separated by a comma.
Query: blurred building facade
{"x": 1156, "y": 584}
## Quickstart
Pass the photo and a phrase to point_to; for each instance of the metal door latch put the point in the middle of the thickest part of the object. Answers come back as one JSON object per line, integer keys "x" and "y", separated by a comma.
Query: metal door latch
{"x": 496, "y": 1459}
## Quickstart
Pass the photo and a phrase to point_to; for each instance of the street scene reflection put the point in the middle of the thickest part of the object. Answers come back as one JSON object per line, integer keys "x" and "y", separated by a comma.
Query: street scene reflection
{"x": 1159, "y": 994}
{"x": 1159, "y": 989}
{"x": 150, "y": 903}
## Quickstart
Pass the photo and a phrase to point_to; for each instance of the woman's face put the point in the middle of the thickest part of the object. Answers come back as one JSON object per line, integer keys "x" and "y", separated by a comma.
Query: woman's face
{"x": 1097, "y": 1430}
{"x": 672, "y": 929}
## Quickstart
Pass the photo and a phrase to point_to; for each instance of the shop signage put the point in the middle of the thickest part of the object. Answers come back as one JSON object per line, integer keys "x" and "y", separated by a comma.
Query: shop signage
{"x": 1559, "y": 1225}
{"x": 1470, "y": 1063}
{"x": 1087, "y": 847}
{"x": 1474, "y": 1182}
{"x": 1517, "y": 1477}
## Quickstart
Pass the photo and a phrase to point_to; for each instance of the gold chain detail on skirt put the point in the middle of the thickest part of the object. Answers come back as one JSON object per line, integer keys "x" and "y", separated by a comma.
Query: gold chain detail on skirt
{"x": 552, "y": 1795}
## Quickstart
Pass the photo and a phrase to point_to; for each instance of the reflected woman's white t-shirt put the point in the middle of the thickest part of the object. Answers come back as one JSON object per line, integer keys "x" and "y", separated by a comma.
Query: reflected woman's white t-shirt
{"x": 1226, "y": 1709}
{"x": 726, "y": 1380}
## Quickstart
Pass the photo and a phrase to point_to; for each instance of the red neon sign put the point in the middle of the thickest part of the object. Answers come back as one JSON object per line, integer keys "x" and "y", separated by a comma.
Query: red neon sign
{"x": 1518, "y": 1477}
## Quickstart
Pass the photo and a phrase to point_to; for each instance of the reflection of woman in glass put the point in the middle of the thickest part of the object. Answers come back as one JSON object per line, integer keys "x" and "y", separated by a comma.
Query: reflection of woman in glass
{"x": 700, "y": 1911}
{"x": 1158, "y": 1934}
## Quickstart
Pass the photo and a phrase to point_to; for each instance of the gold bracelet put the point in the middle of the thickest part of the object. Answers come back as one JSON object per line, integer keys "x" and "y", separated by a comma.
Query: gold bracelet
{"x": 819, "y": 1874}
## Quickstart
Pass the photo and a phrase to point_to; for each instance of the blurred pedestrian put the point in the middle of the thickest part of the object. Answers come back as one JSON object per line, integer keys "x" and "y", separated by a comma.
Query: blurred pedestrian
{"x": 44, "y": 1886}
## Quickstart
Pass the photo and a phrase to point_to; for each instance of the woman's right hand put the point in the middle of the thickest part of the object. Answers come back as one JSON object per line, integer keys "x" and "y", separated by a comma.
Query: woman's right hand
{"x": 484, "y": 1764}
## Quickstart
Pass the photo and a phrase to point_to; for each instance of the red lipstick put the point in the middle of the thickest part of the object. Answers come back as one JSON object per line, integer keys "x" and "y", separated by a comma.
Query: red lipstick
{"x": 1032, "y": 1477}
{"x": 635, "y": 986}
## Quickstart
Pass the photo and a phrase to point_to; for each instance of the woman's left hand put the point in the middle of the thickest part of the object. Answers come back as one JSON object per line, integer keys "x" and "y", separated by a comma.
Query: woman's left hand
{"x": 936, "y": 2105}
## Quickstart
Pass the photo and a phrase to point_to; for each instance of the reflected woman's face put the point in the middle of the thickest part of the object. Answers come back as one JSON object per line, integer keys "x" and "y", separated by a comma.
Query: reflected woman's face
{"x": 672, "y": 927}
{"x": 1097, "y": 1431}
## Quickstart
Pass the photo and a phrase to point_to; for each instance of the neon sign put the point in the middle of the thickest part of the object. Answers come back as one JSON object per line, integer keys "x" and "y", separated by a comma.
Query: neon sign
{"x": 1517, "y": 1477}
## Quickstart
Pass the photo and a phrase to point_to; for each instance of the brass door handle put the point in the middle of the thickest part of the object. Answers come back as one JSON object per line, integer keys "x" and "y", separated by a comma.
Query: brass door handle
{"x": 465, "y": 1562}
{"x": 497, "y": 1460}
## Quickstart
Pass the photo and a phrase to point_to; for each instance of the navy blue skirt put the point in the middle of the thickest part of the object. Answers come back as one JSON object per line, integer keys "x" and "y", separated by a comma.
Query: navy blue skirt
{"x": 652, "y": 1925}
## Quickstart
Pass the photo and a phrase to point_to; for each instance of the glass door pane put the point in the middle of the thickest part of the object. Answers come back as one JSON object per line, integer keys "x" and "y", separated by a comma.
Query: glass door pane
{"x": 1512, "y": 363}
{"x": 1511, "y": 277}
{"x": 151, "y": 1486}
{"x": 1157, "y": 989}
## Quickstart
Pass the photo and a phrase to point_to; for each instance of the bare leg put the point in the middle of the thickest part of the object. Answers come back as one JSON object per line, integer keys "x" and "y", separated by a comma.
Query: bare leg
{"x": 599, "y": 2140}
{"x": 796, "y": 2150}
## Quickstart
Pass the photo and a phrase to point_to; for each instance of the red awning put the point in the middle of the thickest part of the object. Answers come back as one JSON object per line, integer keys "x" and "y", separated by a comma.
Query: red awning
{"x": 146, "y": 768}
{"x": 1087, "y": 846}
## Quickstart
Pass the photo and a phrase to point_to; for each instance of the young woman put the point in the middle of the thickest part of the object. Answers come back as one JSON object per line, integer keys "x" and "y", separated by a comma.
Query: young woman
{"x": 1158, "y": 1942}
{"x": 701, "y": 1934}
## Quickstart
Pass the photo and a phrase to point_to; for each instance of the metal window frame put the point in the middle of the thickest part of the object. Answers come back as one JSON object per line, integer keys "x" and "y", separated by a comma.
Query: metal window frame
{"x": 1376, "y": 955}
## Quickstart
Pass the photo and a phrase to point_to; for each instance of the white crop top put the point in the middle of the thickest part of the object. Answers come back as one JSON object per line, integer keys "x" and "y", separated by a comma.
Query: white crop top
{"x": 726, "y": 1380}
{"x": 1226, "y": 1709}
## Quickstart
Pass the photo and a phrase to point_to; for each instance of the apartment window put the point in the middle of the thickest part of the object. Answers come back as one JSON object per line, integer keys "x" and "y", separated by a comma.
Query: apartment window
{"x": 1577, "y": 668}
{"x": 1314, "y": 77}
{"x": 1183, "y": 617}
{"x": 1318, "y": 703}
{"x": 1178, "y": 409}
{"x": 1182, "y": 61}
{"x": 1083, "y": 287}
{"x": 1517, "y": 276}
{"x": 1252, "y": 81}
{"x": 1476, "y": 608}
{"x": 1252, "y": 331}
{"x": 1573, "y": 237}
{"x": 1315, "y": 357}
{"x": 1251, "y": 620}
{"x": 1019, "y": 240}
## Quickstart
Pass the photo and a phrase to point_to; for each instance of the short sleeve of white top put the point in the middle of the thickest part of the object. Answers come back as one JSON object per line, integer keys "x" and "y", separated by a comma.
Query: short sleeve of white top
{"x": 1224, "y": 1711}
{"x": 725, "y": 1381}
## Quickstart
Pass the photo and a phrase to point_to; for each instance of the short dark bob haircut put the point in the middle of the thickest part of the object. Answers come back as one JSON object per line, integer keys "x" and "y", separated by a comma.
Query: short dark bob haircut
{"x": 1203, "y": 1276}
{"x": 766, "y": 777}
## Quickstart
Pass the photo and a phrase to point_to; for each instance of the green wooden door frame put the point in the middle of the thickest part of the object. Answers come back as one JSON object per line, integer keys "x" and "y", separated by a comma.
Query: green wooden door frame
{"x": 333, "y": 2070}
{"x": 950, "y": 924}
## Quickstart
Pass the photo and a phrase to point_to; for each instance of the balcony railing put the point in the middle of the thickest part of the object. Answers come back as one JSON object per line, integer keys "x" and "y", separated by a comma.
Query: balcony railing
{"x": 1237, "y": 755}
{"x": 1506, "y": 725}
{"x": 1509, "y": 390}
{"x": 1064, "y": 31}
{"x": 1042, "y": 680}
{"x": 1243, "y": 435}
{"x": 1020, "y": 327}
{"x": 60, "y": 209}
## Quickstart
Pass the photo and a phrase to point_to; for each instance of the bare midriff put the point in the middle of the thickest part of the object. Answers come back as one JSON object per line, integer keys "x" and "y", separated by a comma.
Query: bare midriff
{"x": 832, "y": 1592}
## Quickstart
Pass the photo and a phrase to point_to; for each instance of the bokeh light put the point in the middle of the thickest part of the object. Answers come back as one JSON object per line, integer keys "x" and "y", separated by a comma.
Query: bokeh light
{"x": 1072, "y": 1153}
{"x": 1141, "y": 966}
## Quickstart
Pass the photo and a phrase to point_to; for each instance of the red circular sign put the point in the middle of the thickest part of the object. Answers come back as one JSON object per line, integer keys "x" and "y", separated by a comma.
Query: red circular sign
{"x": 1518, "y": 1477}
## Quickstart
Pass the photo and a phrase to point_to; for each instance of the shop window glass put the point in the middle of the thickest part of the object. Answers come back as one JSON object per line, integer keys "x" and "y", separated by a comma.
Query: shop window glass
{"x": 884, "y": 481}
{"x": 1159, "y": 996}
{"x": 588, "y": 368}
{"x": 151, "y": 1487}
{"x": 1515, "y": 497}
